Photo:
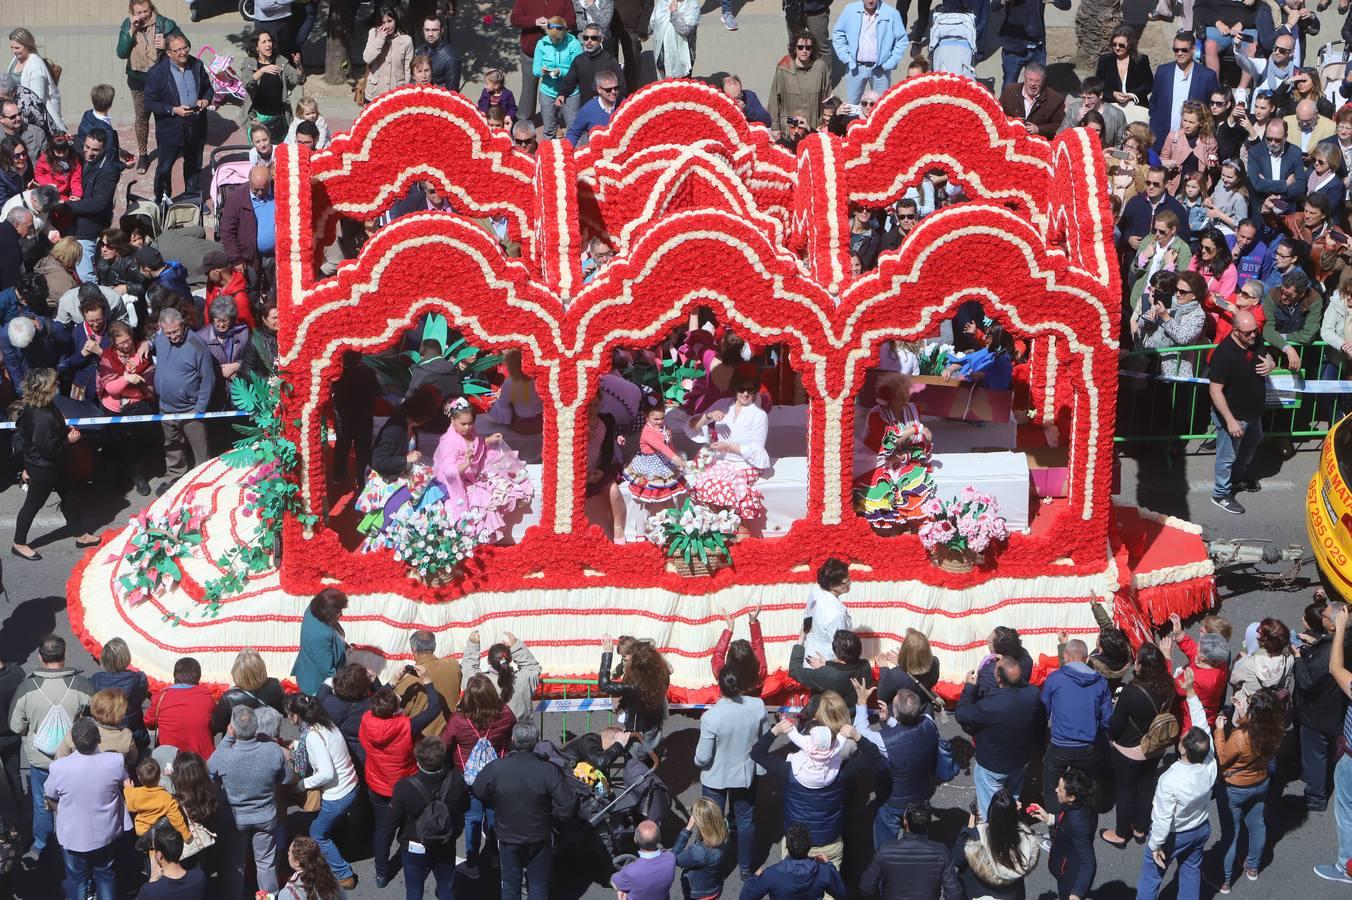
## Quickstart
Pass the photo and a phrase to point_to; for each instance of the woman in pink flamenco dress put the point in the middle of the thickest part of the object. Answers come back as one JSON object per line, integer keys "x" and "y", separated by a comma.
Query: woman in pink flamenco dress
{"x": 479, "y": 474}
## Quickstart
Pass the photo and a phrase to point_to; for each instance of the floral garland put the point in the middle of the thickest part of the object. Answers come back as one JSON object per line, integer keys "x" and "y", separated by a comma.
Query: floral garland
{"x": 968, "y": 524}
{"x": 157, "y": 542}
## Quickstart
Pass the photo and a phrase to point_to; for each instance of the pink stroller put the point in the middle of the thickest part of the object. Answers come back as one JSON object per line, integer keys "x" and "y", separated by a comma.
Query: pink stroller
{"x": 229, "y": 168}
{"x": 224, "y": 82}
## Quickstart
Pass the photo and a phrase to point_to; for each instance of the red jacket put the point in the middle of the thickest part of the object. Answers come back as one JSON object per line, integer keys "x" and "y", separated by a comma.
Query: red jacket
{"x": 1210, "y": 685}
{"x": 65, "y": 182}
{"x": 389, "y": 751}
{"x": 525, "y": 12}
{"x": 757, "y": 647}
{"x": 182, "y": 713}
{"x": 460, "y": 735}
{"x": 235, "y": 287}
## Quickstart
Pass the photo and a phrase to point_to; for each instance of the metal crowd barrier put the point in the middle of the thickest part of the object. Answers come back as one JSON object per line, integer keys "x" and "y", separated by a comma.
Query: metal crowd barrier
{"x": 1154, "y": 405}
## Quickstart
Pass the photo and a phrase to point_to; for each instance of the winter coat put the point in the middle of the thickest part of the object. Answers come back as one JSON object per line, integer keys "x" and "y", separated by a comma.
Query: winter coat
{"x": 833, "y": 676}
{"x": 228, "y": 347}
{"x": 127, "y": 40}
{"x": 982, "y": 875}
{"x": 1005, "y": 724}
{"x": 795, "y": 879}
{"x": 550, "y": 58}
{"x": 445, "y": 63}
{"x": 136, "y": 688}
{"x": 528, "y": 796}
{"x": 911, "y": 866}
{"x": 42, "y": 434}
{"x": 387, "y": 62}
{"x": 389, "y": 745}
{"x": 912, "y": 751}
{"x": 346, "y": 715}
{"x": 270, "y": 694}
{"x": 39, "y": 691}
{"x": 1071, "y": 859}
{"x": 1320, "y": 703}
{"x": 1078, "y": 705}
{"x": 323, "y": 651}
{"x": 460, "y": 736}
{"x": 822, "y": 810}
{"x": 182, "y": 713}
{"x": 798, "y": 91}
{"x": 1259, "y": 670}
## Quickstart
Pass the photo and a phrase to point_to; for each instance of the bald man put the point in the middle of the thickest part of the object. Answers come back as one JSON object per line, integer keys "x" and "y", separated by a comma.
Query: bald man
{"x": 651, "y": 875}
{"x": 1239, "y": 369}
{"x": 248, "y": 225}
{"x": 1306, "y": 127}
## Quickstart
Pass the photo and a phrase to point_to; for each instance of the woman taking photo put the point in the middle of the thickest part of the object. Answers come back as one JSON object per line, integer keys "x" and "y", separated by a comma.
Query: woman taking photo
{"x": 1150, "y": 693}
{"x": 1245, "y": 748}
{"x": 33, "y": 73}
{"x": 1124, "y": 71}
{"x": 388, "y": 54}
{"x": 641, "y": 690}
{"x": 141, "y": 43}
{"x": 269, "y": 78}
{"x": 802, "y": 81}
{"x": 44, "y": 438}
{"x": 323, "y": 646}
{"x": 1228, "y": 204}
{"x": 477, "y": 733}
{"x": 699, "y": 851}
{"x": 993, "y": 857}
{"x": 1229, "y": 131}
{"x": 1127, "y": 176}
{"x": 512, "y": 666}
{"x": 320, "y": 758}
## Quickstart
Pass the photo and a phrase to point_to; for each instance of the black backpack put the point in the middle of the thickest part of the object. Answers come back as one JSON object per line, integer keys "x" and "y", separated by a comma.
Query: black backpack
{"x": 436, "y": 824}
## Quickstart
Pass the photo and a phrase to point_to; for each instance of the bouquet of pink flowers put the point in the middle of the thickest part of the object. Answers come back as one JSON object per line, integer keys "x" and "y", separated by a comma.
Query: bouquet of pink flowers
{"x": 969, "y": 523}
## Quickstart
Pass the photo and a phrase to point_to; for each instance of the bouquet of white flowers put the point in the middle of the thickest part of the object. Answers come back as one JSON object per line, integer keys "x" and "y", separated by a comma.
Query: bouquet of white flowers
{"x": 693, "y": 531}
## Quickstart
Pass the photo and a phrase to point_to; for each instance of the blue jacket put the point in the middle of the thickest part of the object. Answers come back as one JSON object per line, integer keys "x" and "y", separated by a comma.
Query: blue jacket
{"x": 9, "y": 305}
{"x": 822, "y": 810}
{"x": 590, "y": 116}
{"x": 1263, "y": 185}
{"x": 1004, "y": 724}
{"x": 755, "y": 110}
{"x": 911, "y": 754}
{"x": 1078, "y": 703}
{"x": 91, "y": 122}
{"x": 795, "y": 879}
{"x": 43, "y": 353}
{"x": 175, "y": 277}
{"x": 80, "y": 368}
{"x": 162, "y": 97}
{"x": 94, "y": 211}
{"x": 701, "y": 872}
{"x": 185, "y": 375}
{"x": 1025, "y": 24}
{"x": 892, "y": 37}
{"x": 1200, "y": 87}
{"x": 322, "y": 651}
{"x": 1138, "y": 220}
{"x": 1071, "y": 859}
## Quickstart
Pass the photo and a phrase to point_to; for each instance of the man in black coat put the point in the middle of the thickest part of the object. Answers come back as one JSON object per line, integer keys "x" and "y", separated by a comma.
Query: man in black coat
{"x": 912, "y": 866}
{"x": 528, "y": 797}
{"x": 1320, "y": 705}
{"x": 177, "y": 94}
{"x": 593, "y": 59}
{"x": 435, "y": 46}
{"x": 94, "y": 210}
{"x": 1006, "y": 726}
{"x": 13, "y": 230}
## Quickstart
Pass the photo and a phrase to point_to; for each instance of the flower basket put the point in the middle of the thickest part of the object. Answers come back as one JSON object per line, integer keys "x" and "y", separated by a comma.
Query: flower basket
{"x": 961, "y": 531}
{"x": 958, "y": 561}
{"x": 695, "y": 537}
{"x": 694, "y": 567}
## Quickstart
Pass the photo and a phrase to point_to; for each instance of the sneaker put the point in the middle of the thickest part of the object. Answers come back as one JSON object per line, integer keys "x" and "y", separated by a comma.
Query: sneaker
{"x": 1332, "y": 873}
{"x": 31, "y": 859}
{"x": 1251, "y": 874}
{"x": 1224, "y": 888}
{"x": 1229, "y": 504}
{"x": 1248, "y": 485}
{"x": 1046, "y": 844}
{"x": 729, "y": 21}
{"x": 1316, "y": 805}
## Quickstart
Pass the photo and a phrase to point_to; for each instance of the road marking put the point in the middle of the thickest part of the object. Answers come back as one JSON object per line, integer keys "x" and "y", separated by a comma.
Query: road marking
{"x": 1269, "y": 487}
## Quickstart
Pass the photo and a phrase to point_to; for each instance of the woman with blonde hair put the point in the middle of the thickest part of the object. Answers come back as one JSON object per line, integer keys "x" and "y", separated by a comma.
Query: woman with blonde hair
{"x": 253, "y": 687}
{"x": 116, "y": 674}
{"x": 1191, "y": 146}
{"x": 107, "y": 708}
{"x": 44, "y": 438}
{"x": 34, "y": 73}
{"x": 699, "y": 851}
{"x": 913, "y": 667}
{"x": 59, "y": 267}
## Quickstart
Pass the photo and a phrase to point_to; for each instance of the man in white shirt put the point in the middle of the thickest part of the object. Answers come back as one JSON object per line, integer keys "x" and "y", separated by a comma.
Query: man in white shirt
{"x": 1268, "y": 74}
{"x": 825, "y": 610}
{"x": 1179, "y": 827}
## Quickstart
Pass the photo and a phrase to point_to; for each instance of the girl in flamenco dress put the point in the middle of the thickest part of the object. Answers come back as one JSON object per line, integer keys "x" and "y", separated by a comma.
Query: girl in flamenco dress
{"x": 479, "y": 474}
{"x": 891, "y": 497}
{"x": 656, "y": 473}
{"x": 399, "y": 481}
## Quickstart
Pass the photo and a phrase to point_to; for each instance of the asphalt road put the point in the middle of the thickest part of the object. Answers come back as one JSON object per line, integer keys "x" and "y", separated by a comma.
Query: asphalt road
{"x": 1175, "y": 485}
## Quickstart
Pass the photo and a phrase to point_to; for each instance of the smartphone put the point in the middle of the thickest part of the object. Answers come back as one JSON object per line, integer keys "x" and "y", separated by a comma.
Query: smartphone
{"x": 1165, "y": 629}
{"x": 1338, "y": 237}
{"x": 1281, "y": 207}
{"x": 1121, "y": 154}
{"x": 1244, "y": 39}
{"x": 972, "y": 808}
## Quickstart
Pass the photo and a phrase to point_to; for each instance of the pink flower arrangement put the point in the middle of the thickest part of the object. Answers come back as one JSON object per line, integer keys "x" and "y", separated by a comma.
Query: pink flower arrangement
{"x": 969, "y": 523}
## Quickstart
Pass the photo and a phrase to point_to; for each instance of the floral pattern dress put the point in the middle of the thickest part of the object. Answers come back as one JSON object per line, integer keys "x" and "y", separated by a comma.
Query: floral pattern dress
{"x": 727, "y": 480}
{"x": 894, "y": 493}
{"x": 494, "y": 483}
{"x": 384, "y": 503}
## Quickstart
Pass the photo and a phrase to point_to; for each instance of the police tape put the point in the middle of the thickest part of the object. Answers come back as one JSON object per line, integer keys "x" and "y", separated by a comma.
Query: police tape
{"x": 607, "y": 704}
{"x": 154, "y": 417}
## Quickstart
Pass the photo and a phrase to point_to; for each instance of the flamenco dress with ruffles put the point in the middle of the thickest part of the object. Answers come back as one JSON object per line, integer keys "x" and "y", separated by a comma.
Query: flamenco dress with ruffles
{"x": 653, "y": 475}
{"x": 493, "y": 484}
{"x": 893, "y": 494}
{"x": 728, "y": 481}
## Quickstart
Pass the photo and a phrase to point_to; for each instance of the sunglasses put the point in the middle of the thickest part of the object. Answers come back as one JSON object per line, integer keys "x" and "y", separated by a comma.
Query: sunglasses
{"x": 1247, "y": 332}
{"x": 1283, "y": 49}
{"x": 523, "y": 143}
{"x": 908, "y": 215}
{"x": 591, "y": 38}
{"x": 1277, "y": 141}
{"x": 557, "y": 27}
{"x": 1120, "y": 45}
{"x": 1149, "y": 183}
{"x": 1218, "y": 102}
{"x": 1183, "y": 292}
{"x": 1182, "y": 49}
{"x": 1161, "y": 232}
{"x": 804, "y": 47}
{"x": 868, "y": 103}
{"x": 609, "y": 90}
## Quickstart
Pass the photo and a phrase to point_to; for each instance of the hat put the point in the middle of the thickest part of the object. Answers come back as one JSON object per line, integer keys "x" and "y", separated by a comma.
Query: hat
{"x": 216, "y": 259}
{"x": 149, "y": 258}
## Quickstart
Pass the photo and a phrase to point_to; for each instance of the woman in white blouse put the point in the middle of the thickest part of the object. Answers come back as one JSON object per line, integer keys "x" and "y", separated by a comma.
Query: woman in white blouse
{"x": 32, "y": 73}
{"x": 321, "y": 759}
{"x": 735, "y": 431}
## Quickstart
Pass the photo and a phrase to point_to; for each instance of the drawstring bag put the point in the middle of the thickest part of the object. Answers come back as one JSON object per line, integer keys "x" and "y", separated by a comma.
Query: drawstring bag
{"x": 55, "y": 725}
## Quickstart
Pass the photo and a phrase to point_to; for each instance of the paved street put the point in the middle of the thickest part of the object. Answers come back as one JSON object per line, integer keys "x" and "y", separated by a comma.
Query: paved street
{"x": 81, "y": 34}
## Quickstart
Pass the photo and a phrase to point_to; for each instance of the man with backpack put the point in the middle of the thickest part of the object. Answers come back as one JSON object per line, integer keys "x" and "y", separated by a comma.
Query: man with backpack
{"x": 528, "y": 795}
{"x": 430, "y": 809}
{"x": 44, "y": 708}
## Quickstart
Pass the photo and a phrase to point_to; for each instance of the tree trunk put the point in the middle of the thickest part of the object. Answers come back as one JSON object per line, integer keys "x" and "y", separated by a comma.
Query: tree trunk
{"x": 1094, "y": 23}
{"x": 338, "y": 36}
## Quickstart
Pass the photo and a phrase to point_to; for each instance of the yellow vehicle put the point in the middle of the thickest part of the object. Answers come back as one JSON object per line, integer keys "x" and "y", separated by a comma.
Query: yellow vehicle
{"x": 1328, "y": 509}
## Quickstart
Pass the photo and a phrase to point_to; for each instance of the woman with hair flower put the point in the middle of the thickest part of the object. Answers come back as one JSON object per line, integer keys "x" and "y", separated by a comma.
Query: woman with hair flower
{"x": 479, "y": 474}
{"x": 895, "y": 492}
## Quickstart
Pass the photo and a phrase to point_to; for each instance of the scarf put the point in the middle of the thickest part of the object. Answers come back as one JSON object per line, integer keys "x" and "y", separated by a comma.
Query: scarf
{"x": 671, "y": 50}
{"x": 113, "y": 365}
{"x": 143, "y": 52}
{"x": 300, "y": 761}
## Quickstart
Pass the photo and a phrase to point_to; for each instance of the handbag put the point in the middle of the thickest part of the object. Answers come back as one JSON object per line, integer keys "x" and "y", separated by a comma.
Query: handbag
{"x": 311, "y": 800}
{"x": 945, "y": 767}
{"x": 359, "y": 91}
{"x": 200, "y": 836}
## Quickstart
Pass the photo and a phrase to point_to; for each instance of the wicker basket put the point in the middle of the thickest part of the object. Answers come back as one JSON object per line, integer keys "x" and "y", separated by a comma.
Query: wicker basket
{"x": 957, "y": 561}
{"x": 696, "y": 567}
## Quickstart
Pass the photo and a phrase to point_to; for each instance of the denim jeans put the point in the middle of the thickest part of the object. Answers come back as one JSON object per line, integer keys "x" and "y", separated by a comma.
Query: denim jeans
{"x": 989, "y": 783}
{"x": 1247, "y": 803}
{"x": 416, "y": 868}
{"x": 1315, "y": 750}
{"x": 382, "y": 834}
{"x": 743, "y": 803}
{"x": 85, "y": 267}
{"x": 858, "y": 78}
{"x": 330, "y": 811}
{"x": 95, "y": 865}
{"x": 1342, "y": 809}
{"x": 531, "y": 860}
{"x": 1014, "y": 56}
{"x": 1233, "y": 456}
{"x": 886, "y": 825}
{"x": 44, "y": 823}
{"x": 1184, "y": 846}
{"x": 478, "y": 821}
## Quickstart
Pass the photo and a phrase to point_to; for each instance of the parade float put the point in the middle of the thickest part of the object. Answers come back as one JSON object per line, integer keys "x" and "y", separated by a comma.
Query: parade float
{"x": 704, "y": 211}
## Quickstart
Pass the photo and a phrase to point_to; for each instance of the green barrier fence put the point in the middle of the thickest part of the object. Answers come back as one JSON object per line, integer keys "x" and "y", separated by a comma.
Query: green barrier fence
{"x": 1153, "y": 409}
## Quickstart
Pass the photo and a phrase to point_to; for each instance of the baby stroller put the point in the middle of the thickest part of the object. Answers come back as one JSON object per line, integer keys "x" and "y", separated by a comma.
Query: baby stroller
{"x": 615, "y": 792}
{"x": 225, "y": 84}
{"x": 227, "y": 172}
